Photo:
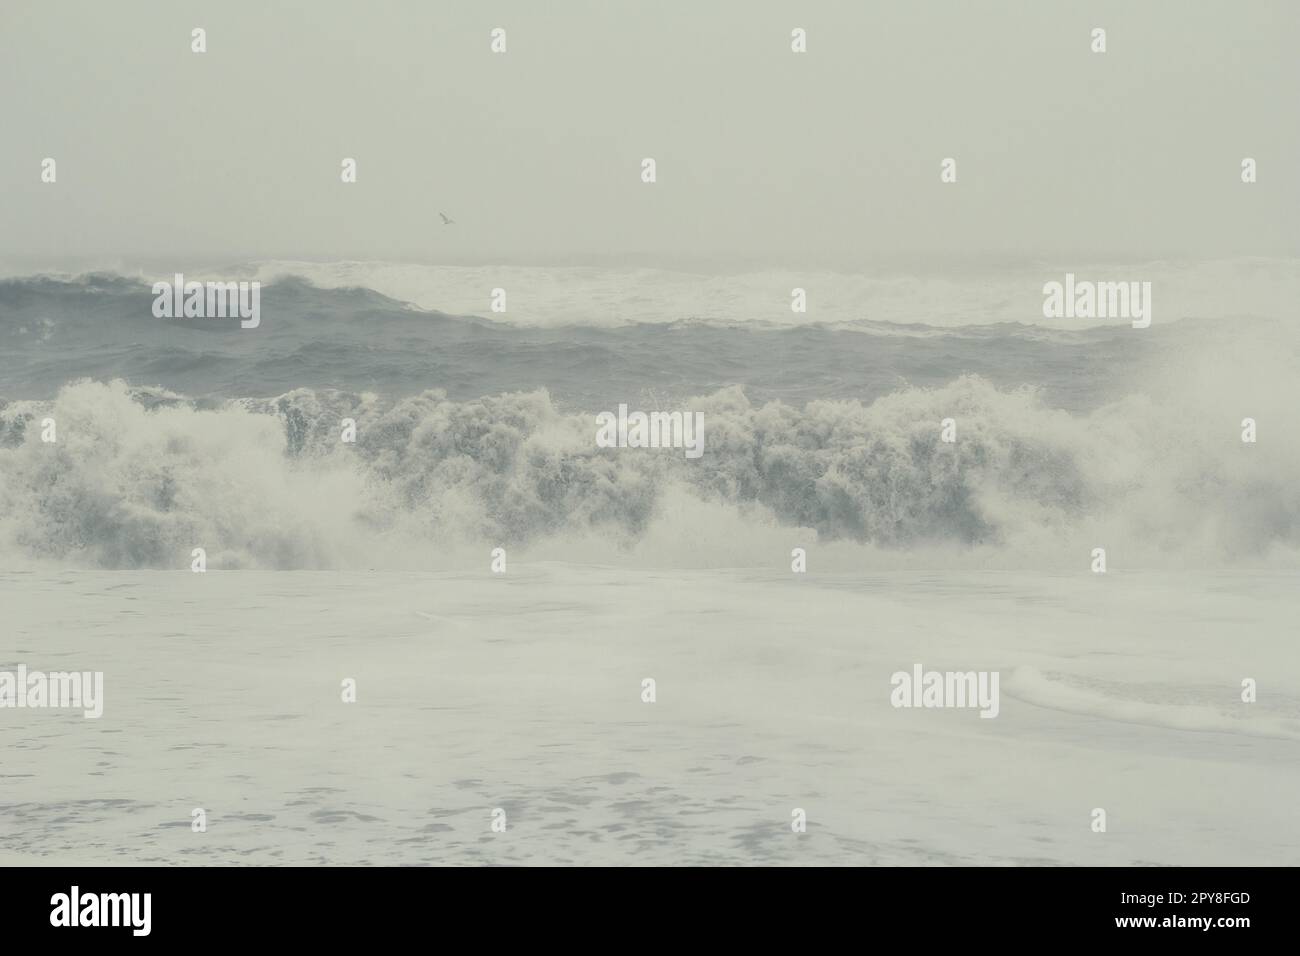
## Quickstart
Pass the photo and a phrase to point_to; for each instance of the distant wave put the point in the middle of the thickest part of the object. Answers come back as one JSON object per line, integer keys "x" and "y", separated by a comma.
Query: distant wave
{"x": 175, "y": 434}
{"x": 55, "y": 330}
{"x": 1177, "y": 707}
{"x": 139, "y": 477}
{"x": 566, "y": 296}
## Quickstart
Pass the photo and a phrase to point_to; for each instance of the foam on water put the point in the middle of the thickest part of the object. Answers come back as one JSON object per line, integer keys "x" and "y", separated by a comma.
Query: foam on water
{"x": 176, "y": 434}
{"x": 1135, "y": 704}
{"x": 138, "y": 478}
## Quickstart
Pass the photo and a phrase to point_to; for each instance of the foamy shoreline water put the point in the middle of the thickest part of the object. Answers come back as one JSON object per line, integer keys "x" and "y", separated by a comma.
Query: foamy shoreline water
{"x": 522, "y": 691}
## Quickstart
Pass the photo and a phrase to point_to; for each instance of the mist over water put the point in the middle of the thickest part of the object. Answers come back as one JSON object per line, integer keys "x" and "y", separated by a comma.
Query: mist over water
{"x": 182, "y": 431}
{"x": 56, "y": 331}
{"x": 983, "y": 317}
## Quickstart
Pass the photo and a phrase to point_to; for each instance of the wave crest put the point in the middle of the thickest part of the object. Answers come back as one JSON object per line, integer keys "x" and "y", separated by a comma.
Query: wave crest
{"x": 140, "y": 477}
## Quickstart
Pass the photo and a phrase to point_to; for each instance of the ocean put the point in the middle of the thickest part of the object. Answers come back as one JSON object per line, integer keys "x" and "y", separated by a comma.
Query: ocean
{"x": 519, "y": 687}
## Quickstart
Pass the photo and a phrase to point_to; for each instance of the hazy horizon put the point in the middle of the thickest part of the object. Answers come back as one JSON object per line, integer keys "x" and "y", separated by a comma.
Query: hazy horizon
{"x": 763, "y": 156}
{"x": 796, "y": 506}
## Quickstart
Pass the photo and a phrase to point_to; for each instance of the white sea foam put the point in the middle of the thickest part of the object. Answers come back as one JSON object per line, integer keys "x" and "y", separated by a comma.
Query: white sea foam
{"x": 557, "y": 296}
{"x": 1127, "y": 703}
{"x": 139, "y": 479}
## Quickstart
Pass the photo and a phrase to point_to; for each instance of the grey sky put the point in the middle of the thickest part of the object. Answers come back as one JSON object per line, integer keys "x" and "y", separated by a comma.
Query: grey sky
{"x": 830, "y": 157}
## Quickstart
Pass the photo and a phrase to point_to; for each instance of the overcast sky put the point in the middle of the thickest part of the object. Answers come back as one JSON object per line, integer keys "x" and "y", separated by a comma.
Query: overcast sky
{"x": 828, "y": 157}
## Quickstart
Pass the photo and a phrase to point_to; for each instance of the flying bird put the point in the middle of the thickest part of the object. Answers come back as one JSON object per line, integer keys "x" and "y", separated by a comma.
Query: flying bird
{"x": 445, "y": 220}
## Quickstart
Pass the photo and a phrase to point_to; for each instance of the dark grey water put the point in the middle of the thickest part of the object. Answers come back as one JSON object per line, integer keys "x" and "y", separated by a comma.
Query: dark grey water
{"x": 831, "y": 429}
{"x": 55, "y": 331}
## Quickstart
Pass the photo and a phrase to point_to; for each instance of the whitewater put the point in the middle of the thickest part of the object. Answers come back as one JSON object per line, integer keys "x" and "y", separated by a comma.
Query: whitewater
{"x": 521, "y": 690}
{"x": 471, "y": 430}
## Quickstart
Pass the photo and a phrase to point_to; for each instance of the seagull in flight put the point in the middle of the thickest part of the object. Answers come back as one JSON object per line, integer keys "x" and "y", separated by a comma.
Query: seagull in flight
{"x": 445, "y": 220}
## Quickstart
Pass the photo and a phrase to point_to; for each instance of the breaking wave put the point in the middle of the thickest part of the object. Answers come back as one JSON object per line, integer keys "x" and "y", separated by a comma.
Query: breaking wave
{"x": 138, "y": 477}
